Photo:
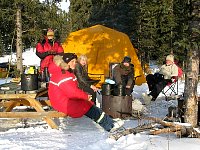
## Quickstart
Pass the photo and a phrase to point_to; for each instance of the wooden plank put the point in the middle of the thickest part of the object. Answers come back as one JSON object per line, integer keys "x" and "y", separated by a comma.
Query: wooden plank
{"x": 11, "y": 106}
{"x": 17, "y": 96}
{"x": 38, "y": 107}
{"x": 42, "y": 92}
{"x": 45, "y": 102}
{"x": 52, "y": 114}
{"x": 7, "y": 103}
{"x": 28, "y": 100}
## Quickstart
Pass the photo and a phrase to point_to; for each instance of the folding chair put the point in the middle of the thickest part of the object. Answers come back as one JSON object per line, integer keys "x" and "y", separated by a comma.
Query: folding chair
{"x": 172, "y": 87}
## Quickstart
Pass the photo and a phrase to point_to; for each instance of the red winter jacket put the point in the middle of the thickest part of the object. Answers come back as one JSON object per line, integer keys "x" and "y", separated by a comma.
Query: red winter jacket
{"x": 42, "y": 50}
{"x": 64, "y": 94}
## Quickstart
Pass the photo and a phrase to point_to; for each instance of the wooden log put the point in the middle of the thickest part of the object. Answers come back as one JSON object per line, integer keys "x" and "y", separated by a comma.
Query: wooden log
{"x": 135, "y": 130}
{"x": 165, "y": 130}
{"x": 192, "y": 132}
{"x": 51, "y": 114}
{"x": 180, "y": 130}
{"x": 164, "y": 123}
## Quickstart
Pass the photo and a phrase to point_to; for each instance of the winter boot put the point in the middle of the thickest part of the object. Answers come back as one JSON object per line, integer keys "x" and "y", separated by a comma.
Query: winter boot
{"x": 118, "y": 123}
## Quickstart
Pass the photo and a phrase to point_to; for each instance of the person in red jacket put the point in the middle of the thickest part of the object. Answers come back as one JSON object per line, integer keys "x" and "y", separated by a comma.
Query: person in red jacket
{"x": 66, "y": 97}
{"x": 46, "y": 49}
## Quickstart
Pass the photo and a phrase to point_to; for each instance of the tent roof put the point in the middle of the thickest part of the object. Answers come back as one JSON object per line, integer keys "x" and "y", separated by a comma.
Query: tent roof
{"x": 102, "y": 46}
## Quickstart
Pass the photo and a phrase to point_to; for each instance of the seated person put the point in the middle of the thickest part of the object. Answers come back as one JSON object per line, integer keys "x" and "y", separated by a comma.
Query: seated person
{"x": 123, "y": 74}
{"x": 158, "y": 81}
{"x": 66, "y": 97}
{"x": 84, "y": 81}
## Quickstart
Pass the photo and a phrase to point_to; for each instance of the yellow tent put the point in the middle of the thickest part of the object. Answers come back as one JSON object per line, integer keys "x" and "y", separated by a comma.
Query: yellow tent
{"x": 103, "y": 46}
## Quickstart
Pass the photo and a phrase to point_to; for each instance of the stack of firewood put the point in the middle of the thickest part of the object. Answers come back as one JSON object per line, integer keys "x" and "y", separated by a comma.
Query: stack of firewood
{"x": 180, "y": 129}
{"x": 159, "y": 126}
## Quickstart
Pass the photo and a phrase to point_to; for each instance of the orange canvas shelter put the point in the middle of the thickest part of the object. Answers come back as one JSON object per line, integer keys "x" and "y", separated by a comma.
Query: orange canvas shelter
{"x": 103, "y": 46}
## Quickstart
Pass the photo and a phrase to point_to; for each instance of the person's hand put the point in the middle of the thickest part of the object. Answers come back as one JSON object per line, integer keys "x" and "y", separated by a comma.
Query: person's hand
{"x": 89, "y": 97}
{"x": 128, "y": 86}
{"x": 52, "y": 52}
{"x": 95, "y": 89}
{"x": 173, "y": 80}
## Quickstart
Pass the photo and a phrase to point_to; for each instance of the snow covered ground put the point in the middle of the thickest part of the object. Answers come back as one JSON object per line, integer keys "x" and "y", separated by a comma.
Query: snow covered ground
{"x": 84, "y": 134}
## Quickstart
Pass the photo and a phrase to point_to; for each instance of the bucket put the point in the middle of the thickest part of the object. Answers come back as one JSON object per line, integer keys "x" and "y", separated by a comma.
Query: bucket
{"x": 107, "y": 89}
{"x": 29, "y": 82}
{"x": 117, "y": 106}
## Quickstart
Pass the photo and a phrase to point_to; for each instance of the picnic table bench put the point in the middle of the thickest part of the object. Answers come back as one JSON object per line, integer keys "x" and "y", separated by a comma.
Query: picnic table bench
{"x": 13, "y": 97}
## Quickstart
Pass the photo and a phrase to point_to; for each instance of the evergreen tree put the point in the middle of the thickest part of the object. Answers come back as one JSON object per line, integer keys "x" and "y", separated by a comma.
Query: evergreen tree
{"x": 148, "y": 31}
{"x": 162, "y": 28}
{"x": 119, "y": 15}
{"x": 181, "y": 32}
{"x": 36, "y": 18}
{"x": 79, "y": 14}
{"x": 7, "y": 25}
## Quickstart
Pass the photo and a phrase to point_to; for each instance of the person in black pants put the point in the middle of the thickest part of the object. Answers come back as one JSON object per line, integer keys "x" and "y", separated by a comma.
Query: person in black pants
{"x": 158, "y": 81}
{"x": 84, "y": 81}
{"x": 156, "y": 84}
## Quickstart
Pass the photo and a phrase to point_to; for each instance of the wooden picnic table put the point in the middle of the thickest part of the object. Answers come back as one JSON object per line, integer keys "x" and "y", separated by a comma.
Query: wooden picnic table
{"x": 13, "y": 97}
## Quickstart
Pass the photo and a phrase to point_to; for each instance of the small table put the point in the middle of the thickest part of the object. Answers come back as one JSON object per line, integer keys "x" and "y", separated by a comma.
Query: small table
{"x": 16, "y": 97}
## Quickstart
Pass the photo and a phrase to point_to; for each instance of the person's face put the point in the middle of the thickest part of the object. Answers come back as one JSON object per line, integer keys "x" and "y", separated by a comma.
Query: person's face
{"x": 169, "y": 62}
{"x": 126, "y": 64}
{"x": 72, "y": 64}
{"x": 50, "y": 37}
{"x": 83, "y": 62}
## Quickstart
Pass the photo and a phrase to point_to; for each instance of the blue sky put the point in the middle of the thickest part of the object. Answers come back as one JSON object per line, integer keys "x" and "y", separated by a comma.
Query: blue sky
{"x": 63, "y": 4}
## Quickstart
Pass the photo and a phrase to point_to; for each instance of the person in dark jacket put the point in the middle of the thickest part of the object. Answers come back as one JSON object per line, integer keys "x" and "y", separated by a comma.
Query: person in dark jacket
{"x": 84, "y": 81}
{"x": 123, "y": 74}
{"x": 47, "y": 49}
{"x": 66, "y": 97}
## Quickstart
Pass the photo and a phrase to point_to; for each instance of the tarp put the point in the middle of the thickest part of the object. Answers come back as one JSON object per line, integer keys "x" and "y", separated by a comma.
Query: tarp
{"x": 103, "y": 46}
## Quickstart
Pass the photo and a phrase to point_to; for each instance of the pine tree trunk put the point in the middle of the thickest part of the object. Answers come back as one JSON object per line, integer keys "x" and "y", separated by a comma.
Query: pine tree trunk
{"x": 19, "y": 39}
{"x": 190, "y": 93}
